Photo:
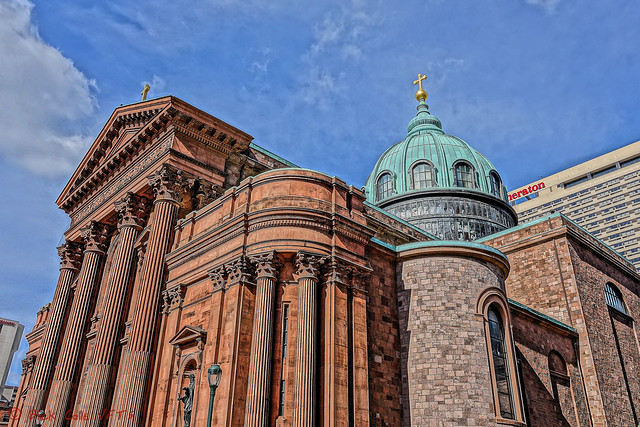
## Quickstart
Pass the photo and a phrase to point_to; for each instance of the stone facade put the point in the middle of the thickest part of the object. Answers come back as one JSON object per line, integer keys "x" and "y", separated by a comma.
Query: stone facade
{"x": 190, "y": 246}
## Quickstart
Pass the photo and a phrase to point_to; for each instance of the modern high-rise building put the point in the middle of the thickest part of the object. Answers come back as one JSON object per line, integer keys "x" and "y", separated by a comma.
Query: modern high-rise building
{"x": 602, "y": 195}
{"x": 10, "y": 334}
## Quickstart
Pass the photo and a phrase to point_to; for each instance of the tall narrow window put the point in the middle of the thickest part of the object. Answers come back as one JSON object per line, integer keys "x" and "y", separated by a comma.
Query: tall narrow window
{"x": 384, "y": 187}
{"x": 500, "y": 364}
{"x": 422, "y": 176}
{"x": 464, "y": 175}
{"x": 496, "y": 184}
{"x": 614, "y": 298}
{"x": 285, "y": 340}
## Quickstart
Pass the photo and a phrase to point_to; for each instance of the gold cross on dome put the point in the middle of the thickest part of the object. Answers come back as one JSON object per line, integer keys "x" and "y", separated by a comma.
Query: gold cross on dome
{"x": 419, "y": 81}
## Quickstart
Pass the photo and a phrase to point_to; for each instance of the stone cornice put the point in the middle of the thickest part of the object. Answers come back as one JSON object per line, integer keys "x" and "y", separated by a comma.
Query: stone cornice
{"x": 154, "y": 118}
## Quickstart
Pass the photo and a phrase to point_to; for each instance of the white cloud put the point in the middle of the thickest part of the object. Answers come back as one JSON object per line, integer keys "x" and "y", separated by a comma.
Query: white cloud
{"x": 548, "y": 6}
{"x": 42, "y": 95}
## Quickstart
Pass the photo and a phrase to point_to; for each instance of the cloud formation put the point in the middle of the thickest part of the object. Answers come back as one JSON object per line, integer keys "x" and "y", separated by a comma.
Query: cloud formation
{"x": 548, "y": 6}
{"x": 43, "y": 97}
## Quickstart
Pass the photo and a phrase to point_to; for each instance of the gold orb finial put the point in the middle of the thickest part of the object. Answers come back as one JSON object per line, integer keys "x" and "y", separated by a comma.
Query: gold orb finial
{"x": 421, "y": 94}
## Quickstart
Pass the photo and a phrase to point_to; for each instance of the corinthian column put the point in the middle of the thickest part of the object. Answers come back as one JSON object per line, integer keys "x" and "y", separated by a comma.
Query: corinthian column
{"x": 71, "y": 256}
{"x": 130, "y": 394}
{"x": 95, "y": 236}
{"x": 304, "y": 382}
{"x": 257, "y": 409}
{"x": 131, "y": 212}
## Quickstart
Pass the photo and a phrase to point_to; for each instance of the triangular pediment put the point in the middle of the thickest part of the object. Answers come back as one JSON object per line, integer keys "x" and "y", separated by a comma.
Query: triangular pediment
{"x": 188, "y": 334}
{"x": 132, "y": 128}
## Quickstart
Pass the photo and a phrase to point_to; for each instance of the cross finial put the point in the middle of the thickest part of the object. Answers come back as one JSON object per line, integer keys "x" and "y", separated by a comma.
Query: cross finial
{"x": 421, "y": 94}
{"x": 145, "y": 91}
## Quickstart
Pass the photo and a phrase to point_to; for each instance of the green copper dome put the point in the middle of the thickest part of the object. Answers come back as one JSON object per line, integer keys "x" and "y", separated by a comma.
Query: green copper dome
{"x": 448, "y": 162}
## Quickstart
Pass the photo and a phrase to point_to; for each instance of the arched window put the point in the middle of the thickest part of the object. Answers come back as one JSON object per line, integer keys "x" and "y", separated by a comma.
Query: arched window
{"x": 557, "y": 364}
{"x": 500, "y": 363}
{"x": 614, "y": 298}
{"x": 495, "y": 183}
{"x": 422, "y": 176}
{"x": 464, "y": 175}
{"x": 384, "y": 188}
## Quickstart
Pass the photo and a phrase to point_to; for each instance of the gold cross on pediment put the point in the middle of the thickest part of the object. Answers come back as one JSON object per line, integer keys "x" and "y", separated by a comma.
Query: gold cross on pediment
{"x": 145, "y": 91}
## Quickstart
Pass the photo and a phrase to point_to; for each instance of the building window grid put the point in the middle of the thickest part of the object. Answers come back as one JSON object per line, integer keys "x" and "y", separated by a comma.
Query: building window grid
{"x": 384, "y": 188}
{"x": 285, "y": 343}
{"x": 464, "y": 175}
{"x": 422, "y": 176}
{"x": 495, "y": 183}
{"x": 614, "y": 298}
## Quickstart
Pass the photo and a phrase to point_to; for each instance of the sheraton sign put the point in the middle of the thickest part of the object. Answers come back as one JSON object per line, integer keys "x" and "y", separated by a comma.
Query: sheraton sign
{"x": 526, "y": 191}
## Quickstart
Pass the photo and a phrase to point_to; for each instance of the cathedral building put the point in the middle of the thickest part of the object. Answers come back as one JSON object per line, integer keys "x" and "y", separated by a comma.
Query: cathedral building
{"x": 206, "y": 281}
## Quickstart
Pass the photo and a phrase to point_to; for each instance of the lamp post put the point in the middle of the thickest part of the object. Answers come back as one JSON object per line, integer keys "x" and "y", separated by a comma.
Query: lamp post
{"x": 214, "y": 373}
{"x": 40, "y": 418}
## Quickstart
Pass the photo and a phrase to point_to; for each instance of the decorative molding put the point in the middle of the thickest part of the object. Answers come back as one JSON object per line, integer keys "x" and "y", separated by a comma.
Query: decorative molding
{"x": 96, "y": 236}
{"x": 132, "y": 210}
{"x": 239, "y": 270}
{"x": 203, "y": 192}
{"x": 70, "y": 254}
{"x": 267, "y": 264}
{"x": 136, "y": 169}
{"x": 308, "y": 265}
{"x": 218, "y": 276}
{"x": 168, "y": 184}
{"x": 27, "y": 364}
{"x": 173, "y": 298}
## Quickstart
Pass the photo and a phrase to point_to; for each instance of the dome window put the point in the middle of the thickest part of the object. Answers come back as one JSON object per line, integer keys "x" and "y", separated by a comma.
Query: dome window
{"x": 495, "y": 183}
{"x": 384, "y": 188}
{"x": 422, "y": 176}
{"x": 464, "y": 175}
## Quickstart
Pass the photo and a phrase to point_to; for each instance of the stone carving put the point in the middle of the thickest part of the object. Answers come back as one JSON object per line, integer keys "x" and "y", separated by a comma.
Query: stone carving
{"x": 168, "y": 183}
{"x": 187, "y": 400}
{"x": 308, "y": 265}
{"x": 239, "y": 270}
{"x": 96, "y": 236}
{"x": 173, "y": 298}
{"x": 132, "y": 210}
{"x": 219, "y": 277}
{"x": 70, "y": 254}
{"x": 27, "y": 364}
{"x": 267, "y": 264}
{"x": 203, "y": 192}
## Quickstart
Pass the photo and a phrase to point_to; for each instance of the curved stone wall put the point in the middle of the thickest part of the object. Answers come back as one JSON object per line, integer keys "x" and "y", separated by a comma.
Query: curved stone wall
{"x": 445, "y": 363}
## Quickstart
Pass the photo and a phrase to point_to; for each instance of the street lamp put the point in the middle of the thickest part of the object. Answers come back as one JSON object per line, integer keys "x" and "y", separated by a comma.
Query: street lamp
{"x": 40, "y": 418}
{"x": 214, "y": 373}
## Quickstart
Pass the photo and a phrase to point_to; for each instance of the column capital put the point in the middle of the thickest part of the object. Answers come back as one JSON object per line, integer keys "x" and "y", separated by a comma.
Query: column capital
{"x": 27, "y": 364}
{"x": 267, "y": 264}
{"x": 168, "y": 184}
{"x": 203, "y": 192}
{"x": 132, "y": 210}
{"x": 173, "y": 297}
{"x": 218, "y": 276}
{"x": 239, "y": 270}
{"x": 308, "y": 265}
{"x": 96, "y": 236}
{"x": 70, "y": 254}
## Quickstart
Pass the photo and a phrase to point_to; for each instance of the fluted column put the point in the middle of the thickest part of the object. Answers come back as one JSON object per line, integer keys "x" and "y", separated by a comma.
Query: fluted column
{"x": 257, "y": 409}
{"x": 131, "y": 212}
{"x": 304, "y": 404}
{"x": 71, "y": 256}
{"x": 130, "y": 395}
{"x": 96, "y": 237}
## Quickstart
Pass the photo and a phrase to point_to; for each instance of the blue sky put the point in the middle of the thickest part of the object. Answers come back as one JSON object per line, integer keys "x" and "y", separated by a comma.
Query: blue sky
{"x": 535, "y": 85}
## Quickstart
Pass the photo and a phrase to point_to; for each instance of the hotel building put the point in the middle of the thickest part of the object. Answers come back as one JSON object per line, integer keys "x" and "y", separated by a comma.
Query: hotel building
{"x": 602, "y": 195}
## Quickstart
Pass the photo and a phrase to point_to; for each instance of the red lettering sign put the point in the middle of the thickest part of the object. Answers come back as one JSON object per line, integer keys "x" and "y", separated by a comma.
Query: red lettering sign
{"x": 526, "y": 191}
